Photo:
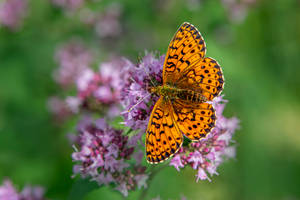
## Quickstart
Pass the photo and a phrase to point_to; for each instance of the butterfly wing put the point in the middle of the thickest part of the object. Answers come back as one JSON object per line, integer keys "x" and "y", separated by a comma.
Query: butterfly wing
{"x": 163, "y": 138}
{"x": 186, "y": 47}
{"x": 204, "y": 76}
{"x": 195, "y": 121}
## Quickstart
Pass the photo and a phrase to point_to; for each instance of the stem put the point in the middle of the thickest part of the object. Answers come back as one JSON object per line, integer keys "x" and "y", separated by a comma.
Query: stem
{"x": 128, "y": 131}
{"x": 154, "y": 170}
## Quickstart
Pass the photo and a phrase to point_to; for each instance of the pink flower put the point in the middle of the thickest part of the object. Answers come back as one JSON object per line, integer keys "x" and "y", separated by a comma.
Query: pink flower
{"x": 176, "y": 162}
{"x": 108, "y": 24}
{"x": 201, "y": 175}
{"x": 237, "y": 9}
{"x": 8, "y": 192}
{"x": 103, "y": 155}
{"x": 136, "y": 99}
{"x": 195, "y": 158}
{"x": 73, "y": 59}
{"x": 58, "y": 108}
{"x": 68, "y": 4}
{"x": 206, "y": 155}
{"x": 12, "y": 13}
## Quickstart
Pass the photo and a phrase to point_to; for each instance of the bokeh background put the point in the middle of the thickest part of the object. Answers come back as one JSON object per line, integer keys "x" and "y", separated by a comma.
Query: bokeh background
{"x": 257, "y": 42}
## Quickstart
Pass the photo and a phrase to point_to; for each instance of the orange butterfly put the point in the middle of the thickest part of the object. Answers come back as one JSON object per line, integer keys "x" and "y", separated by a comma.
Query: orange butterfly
{"x": 189, "y": 81}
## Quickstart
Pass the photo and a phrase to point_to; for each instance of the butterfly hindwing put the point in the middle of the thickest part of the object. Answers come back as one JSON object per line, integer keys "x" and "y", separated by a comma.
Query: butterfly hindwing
{"x": 194, "y": 121}
{"x": 205, "y": 77}
{"x": 163, "y": 137}
{"x": 186, "y": 47}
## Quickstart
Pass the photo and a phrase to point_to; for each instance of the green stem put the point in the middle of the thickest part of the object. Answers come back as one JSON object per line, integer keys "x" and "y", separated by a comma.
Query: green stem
{"x": 128, "y": 131}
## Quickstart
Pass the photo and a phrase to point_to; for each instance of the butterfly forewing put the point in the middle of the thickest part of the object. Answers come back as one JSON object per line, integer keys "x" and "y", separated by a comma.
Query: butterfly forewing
{"x": 186, "y": 47}
{"x": 163, "y": 137}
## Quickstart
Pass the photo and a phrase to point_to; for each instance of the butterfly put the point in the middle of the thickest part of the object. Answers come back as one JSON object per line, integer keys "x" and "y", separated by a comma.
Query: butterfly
{"x": 190, "y": 80}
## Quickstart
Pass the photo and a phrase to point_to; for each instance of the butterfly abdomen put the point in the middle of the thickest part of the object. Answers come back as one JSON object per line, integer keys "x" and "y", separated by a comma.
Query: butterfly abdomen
{"x": 189, "y": 95}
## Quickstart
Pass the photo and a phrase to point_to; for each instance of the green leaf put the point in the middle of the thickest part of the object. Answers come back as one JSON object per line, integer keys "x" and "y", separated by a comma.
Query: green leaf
{"x": 81, "y": 188}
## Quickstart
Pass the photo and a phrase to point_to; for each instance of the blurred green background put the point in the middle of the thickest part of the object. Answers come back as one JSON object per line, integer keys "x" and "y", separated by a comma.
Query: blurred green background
{"x": 260, "y": 58}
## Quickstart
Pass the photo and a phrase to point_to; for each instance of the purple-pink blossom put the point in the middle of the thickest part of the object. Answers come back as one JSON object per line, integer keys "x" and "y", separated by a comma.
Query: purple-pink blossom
{"x": 103, "y": 155}
{"x": 237, "y": 9}
{"x": 8, "y": 192}
{"x": 12, "y": 13}
{"x": 68, "y": 4}
{"x": 135, "y": 97}
{"x": 107, "y": 24}
{"x": 73, "y": 59}
{"x": 206, "y": 155}
{"x": 58, "y": 108}
{"x": 99, "y": 90}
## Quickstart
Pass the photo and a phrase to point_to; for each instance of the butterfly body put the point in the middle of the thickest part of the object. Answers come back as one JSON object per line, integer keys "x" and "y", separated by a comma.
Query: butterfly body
{"x": 190, "y": 81}
{"x": 172, "y": 93}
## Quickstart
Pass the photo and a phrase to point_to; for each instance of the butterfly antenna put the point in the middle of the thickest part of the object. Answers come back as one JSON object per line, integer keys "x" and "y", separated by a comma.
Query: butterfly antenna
{"x": 139, "y": 101}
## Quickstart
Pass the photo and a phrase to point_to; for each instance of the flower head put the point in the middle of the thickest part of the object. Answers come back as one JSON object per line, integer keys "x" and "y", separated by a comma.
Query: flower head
{"x": 73, "y": 59}
{"x": 12, "y": 13}
{"x": 58, "y": 108}
{"x": 68, "y": 4}
{"x": 237, "y": 9}
{"x": 103, "y": 156}
{"x": 108, "y": 23}
{"x": 101, "y": 89}
{"x": 8, "y": 192}
{"x": 206, "y": 155}
{"x": 135, "y": 97}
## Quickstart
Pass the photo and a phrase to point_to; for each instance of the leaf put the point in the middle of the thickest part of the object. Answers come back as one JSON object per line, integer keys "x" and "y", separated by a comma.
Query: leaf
{"x": 81, "y": 188}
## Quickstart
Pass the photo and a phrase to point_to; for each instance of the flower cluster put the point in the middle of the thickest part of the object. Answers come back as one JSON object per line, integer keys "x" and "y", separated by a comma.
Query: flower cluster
{"x": 206, "y": 155}
{"x": 107, "y": 155}
{"x": 58, "y": 107}
{"x": 96, "y": 90}
{"x": 12, "y": 13}
{"x": 104, "y": 155}
{"x": 73, "y": 58}
{"x": 68, "y": 4}
{"x": 106, "y": 23}
{"x": 135, "y": 97}
{"x": 237, "y": 9}
{"x": 8, "y": 192}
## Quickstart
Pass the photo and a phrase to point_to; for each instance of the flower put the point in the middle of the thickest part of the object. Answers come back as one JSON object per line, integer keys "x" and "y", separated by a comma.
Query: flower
{"x": 176, "y": 162}
{"x": 106, "y": 24}
{"x": 73, "y": 59}
{"x": 103, "y": 156}
{"x": 237, "y": 9}
{"x": 58, "y": 108}
{"x": 101, "y": 89}
{"x": 135, "y": 97}
{"x": 96, "y": 90}
{"x": 207, "y": 154}
{"x": 8, "y": 192}
{"x": 32, "y": 193}
{"x": 68, "y": 4}
{"x": 12, "y": 13}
